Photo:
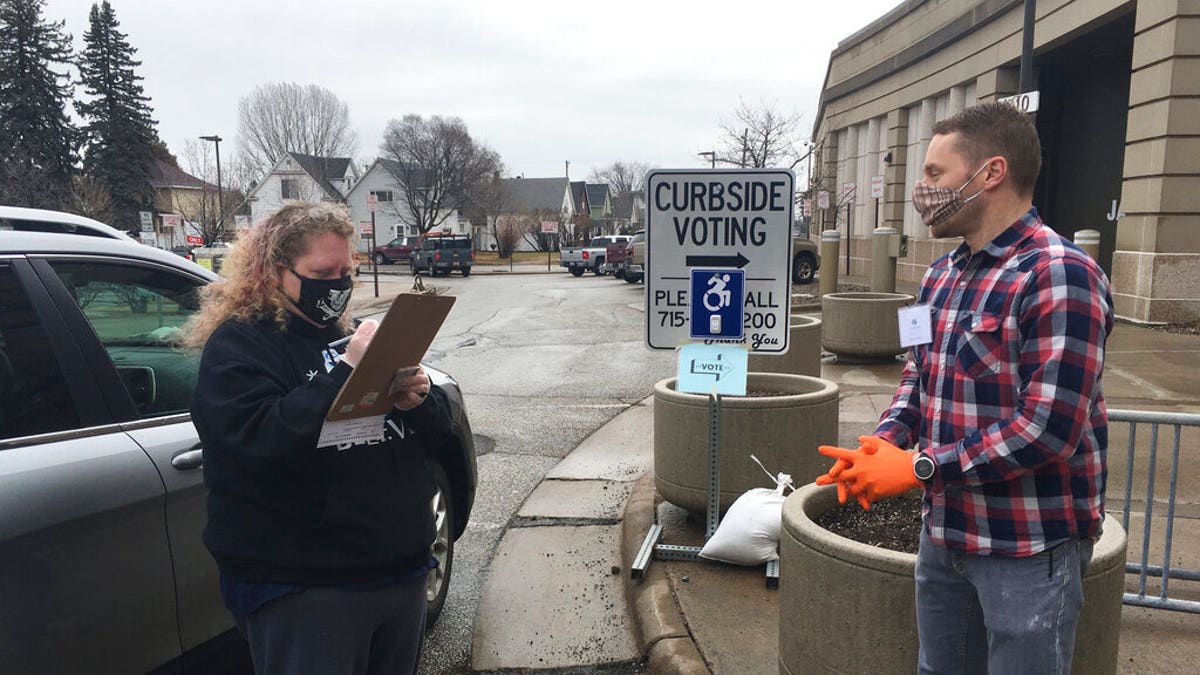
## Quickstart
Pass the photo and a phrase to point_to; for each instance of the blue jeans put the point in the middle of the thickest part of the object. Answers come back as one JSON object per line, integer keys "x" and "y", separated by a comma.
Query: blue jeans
{"x": 998, "y": 615}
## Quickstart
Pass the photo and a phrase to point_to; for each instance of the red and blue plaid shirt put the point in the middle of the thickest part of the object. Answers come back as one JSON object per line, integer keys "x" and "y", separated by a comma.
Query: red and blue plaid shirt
{"x": 1007, "y": 398}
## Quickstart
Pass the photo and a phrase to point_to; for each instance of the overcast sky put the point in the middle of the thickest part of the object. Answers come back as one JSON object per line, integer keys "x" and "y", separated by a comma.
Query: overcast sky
{"x": 540, "y": 82}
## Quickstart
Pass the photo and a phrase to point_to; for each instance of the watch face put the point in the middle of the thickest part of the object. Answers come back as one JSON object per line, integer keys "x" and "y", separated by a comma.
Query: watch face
{"x": 923, "y": 468}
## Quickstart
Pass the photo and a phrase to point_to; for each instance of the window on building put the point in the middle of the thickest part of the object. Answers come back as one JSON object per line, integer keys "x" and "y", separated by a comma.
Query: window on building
{"x": 289, "y": 188}
{"x": 382, "y": 196}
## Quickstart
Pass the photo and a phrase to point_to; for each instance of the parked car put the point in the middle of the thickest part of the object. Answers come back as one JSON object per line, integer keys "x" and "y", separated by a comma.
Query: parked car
{"x": 806, "y": 260}
{"x": 102, "y": 499}
{"x": 20, "y": 219}
{"x": 580, "y": 259}
{"x": 615, "y": 257}
{"x": 635, "y": 259}
{"x": 443, "y": 254}
{"x": 398, "y": 249}
{"x": 185, "y": 252}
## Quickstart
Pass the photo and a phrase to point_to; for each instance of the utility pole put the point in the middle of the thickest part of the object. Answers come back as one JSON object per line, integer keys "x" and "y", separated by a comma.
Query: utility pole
{"x": 745, "y": 135}
{"x": 216, "y": 140}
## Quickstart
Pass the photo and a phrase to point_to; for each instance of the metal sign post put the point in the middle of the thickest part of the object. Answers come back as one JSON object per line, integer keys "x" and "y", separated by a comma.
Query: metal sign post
{"x": 373, "y": 206}
{"x": 652, "y": 548}
{"x": 718, "y": 274}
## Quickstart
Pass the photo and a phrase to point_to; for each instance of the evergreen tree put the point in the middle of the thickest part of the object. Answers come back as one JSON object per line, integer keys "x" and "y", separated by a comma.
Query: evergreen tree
{"x": 120, "y": 136}
{"x": 37, "y": 140}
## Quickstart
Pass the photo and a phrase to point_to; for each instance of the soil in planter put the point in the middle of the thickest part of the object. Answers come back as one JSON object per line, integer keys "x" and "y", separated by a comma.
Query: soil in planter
{"x": 893, "y": 523}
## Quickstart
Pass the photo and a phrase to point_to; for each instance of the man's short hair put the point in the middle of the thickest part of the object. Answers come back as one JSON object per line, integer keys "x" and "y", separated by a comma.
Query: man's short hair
{"x": 994, "y": 129}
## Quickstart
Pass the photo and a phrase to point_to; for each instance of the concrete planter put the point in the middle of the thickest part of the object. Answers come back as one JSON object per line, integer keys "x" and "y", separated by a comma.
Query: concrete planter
{"x": 804, "y": 350}
{"x": 846, "y": 607}
{"x": 782, "y": 430}
{"x": 862, "y": 327}
{"x": 805, "y": 302}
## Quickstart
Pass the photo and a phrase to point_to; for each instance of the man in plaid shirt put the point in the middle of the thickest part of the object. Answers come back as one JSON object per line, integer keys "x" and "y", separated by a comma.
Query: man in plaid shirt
{"x": 1001, "y": 395}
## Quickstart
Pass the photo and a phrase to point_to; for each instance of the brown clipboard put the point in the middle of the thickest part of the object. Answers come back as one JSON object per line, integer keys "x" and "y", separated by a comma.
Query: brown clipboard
{"x": 402, "y": 338}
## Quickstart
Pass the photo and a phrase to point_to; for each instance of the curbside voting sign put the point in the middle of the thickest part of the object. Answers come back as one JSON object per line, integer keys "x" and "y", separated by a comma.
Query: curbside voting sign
{"x": 719, "y": 220}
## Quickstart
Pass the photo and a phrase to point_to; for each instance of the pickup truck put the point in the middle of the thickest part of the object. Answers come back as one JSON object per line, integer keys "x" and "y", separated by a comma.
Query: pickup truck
{"x": 635, "y": 259}
{"x": 806, "y": 260}
{"x": 440, "y": 255}
{"x": 615, "y": 257}
{"x": 580, "y": 259}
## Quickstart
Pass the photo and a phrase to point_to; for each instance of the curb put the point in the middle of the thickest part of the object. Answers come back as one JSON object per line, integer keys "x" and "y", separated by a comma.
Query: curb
{"x": 659, "y": 628}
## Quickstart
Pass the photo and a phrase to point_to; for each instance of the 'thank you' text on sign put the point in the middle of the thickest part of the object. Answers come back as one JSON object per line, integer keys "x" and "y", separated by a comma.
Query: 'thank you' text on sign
{"x": 716, "y": 219}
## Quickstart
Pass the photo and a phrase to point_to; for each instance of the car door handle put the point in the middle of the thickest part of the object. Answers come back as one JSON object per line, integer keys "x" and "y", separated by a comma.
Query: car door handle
{"x": 188, "y": 459}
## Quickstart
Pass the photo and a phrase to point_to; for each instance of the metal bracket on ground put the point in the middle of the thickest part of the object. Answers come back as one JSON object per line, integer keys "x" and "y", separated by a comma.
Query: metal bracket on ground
{"x": 651, "y": 546}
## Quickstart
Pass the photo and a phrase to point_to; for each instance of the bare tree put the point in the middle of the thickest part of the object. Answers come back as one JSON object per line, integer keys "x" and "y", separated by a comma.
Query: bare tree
{"x": 282, "y": 117}
{"x": 531, "y": 229}
{"x": 622, "y": 177}
{"x": 581, "y": 230}
{"x": 89, "y": 197}
{"x": 439, "y": 167}
{"x": 486, "y": 204}
{"x": 507, "y": 230}
{"x": 761, "y": 136}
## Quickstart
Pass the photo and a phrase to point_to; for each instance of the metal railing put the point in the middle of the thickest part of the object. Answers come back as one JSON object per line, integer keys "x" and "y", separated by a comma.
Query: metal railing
{"x": 1144, "y": 568}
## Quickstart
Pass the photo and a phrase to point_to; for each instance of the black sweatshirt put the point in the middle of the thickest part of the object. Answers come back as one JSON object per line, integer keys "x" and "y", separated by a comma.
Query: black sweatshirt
{"x": 281, "y": 509}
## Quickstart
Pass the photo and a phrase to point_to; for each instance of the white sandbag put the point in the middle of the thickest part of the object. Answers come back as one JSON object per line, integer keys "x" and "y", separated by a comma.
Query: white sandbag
{"x": 749, "y": 532}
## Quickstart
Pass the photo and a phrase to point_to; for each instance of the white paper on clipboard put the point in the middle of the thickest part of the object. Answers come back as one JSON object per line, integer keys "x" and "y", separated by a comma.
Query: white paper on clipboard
{"x": 352, "y": 431}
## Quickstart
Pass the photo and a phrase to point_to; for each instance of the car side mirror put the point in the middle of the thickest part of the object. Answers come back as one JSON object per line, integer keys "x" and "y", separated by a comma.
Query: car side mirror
{"x": 139, "y": 382}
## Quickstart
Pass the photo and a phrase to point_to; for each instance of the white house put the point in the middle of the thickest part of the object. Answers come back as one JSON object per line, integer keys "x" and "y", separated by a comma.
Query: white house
{"x": 392, "y": 214}
{"x": 527, "y": 197}
{"x": 297, "y": 176}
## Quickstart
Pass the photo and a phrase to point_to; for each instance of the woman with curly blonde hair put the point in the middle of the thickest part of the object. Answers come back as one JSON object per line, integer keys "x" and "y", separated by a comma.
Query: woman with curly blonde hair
{"x": 322, "y": 550}
{"x": 252, "y": 289}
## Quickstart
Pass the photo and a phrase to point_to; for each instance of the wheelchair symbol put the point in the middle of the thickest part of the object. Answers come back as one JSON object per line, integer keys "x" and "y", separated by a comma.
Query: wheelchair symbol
{"x": 717, "y": 292}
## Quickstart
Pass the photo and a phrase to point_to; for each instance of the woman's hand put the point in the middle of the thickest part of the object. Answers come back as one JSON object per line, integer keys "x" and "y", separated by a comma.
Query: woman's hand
{"x": 359, "y": 341}
{"x": 409, "y": 388}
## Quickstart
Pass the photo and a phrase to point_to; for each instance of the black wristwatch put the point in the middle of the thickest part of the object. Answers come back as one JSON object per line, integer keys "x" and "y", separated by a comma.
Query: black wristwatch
{"x": 923, "y": 467}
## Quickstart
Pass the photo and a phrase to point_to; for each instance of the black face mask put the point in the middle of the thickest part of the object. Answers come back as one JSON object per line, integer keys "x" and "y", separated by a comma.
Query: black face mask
{"x": 323, "y": 300}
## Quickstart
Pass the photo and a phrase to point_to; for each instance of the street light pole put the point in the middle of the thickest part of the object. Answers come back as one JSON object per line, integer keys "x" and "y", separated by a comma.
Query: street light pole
{"x": 711, "y": 154}
{"x": 216, "y": 140}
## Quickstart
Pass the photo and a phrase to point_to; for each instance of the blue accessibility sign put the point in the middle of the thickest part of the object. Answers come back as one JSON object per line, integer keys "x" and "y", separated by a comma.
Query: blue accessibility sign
{"x": 717, "y": 300}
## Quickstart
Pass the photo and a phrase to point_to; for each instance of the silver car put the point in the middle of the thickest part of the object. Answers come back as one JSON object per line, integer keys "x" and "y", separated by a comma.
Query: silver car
{"x": 102, "y": 498}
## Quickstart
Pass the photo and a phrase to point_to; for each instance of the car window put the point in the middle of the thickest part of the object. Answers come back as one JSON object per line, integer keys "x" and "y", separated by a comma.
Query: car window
{"x": 457, "y": 243}
{"x": 398, "y": 241}
{"x": 33, "y": 392}
{"x": 137, "y": 313}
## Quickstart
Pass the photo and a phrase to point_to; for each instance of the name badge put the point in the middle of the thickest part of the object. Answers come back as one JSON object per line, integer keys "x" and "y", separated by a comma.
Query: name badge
{"x": 916, "y": 325}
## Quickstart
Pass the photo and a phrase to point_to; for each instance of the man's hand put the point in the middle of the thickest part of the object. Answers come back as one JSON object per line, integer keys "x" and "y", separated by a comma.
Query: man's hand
{"x": 832, "y": 476}
{"x": 879, "y": 469}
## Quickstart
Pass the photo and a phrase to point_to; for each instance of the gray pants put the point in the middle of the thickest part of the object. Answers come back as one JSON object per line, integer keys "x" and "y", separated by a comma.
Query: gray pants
{"x": 998, "y": 615}
{"x": 332, "y": 631}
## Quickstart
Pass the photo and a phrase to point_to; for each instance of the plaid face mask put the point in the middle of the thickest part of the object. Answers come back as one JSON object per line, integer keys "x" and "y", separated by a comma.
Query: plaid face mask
{"x": 937, "y": 204}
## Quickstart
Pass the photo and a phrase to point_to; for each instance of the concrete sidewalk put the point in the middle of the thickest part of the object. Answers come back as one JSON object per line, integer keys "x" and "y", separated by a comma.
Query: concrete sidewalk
{"x": 706, "y": 617}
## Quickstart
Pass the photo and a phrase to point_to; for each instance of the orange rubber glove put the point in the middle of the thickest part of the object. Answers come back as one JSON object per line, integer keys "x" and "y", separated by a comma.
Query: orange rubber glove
{"x": 886, "y": 472}
{"x": 831, "y": 477}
